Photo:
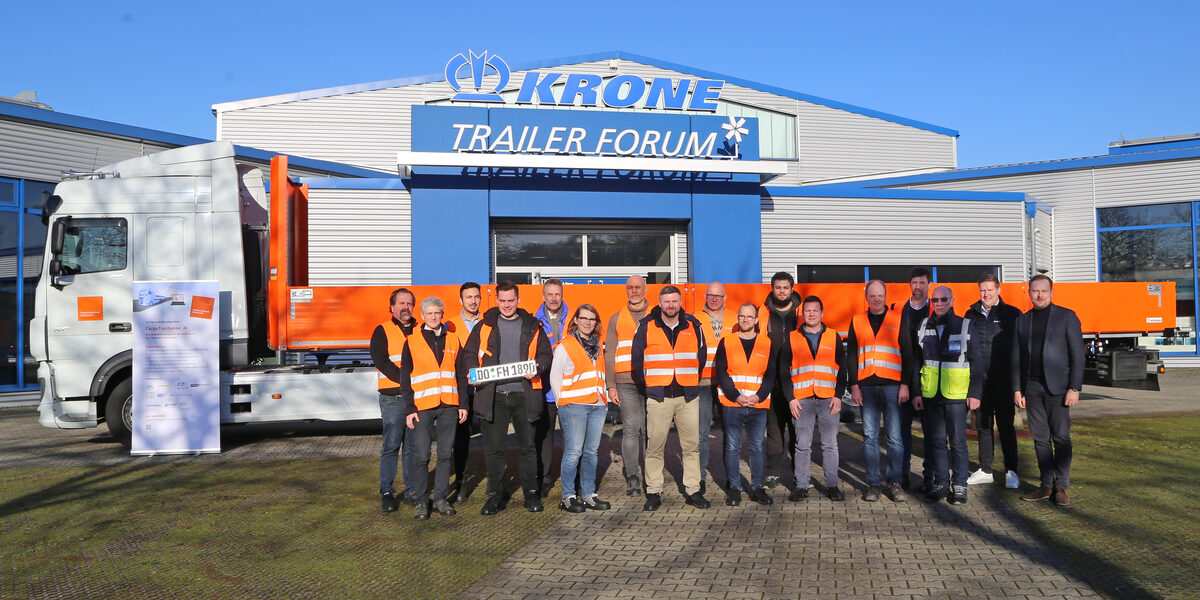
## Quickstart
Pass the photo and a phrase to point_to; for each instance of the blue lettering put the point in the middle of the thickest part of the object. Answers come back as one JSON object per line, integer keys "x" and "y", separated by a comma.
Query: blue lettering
{"x": 663, "y": 91}
{"x": 580, "y": 86}
{"x": 531, "y": 86}
{"x": 612, "y": 91}
{"x": 705, "y": 95}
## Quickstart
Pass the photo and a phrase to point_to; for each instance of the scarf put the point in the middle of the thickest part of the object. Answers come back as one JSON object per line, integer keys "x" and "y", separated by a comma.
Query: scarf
{"x": 591, "y": 345}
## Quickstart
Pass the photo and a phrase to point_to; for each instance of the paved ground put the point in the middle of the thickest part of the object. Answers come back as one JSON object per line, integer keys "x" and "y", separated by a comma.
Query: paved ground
{"x": 853, "y": 549}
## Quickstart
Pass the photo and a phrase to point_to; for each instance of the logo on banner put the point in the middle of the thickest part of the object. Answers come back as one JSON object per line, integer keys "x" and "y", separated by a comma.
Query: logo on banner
{"x": 477, "y": 67}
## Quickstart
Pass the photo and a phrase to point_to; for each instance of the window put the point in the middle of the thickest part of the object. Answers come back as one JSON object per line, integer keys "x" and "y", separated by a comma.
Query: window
{"x": 830, "y": 274}
{"x": 1154, "y": 214}
{"x": 618, "y": 249}
{"x": 963, "y": 273}
{"x": 95, "y": 245}
{"x": 534, "y": 251}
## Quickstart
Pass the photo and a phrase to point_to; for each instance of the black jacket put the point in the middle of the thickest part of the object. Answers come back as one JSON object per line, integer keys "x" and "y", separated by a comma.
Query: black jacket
{"x": 910, "y": 322}
{"x": 485, "y": 394}
{"x": 785, "y": 365}
{"x": 638, "y": 358}
{"x": 779, "y": 326}
{"x": 1062, "y": 352}
{"x": 937, "y": 347}
{"x": 381, "y": 358}
{"x": 992, "y": 340}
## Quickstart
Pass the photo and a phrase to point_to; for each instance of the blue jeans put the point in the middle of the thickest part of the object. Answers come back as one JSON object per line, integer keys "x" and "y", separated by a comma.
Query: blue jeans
{"x": 881, "y": 401}
{"x": 582, "y": 426}
{"x": 947, "y": 420}
{"x": 755, "y": 422}
{"x": 393, "y": 413}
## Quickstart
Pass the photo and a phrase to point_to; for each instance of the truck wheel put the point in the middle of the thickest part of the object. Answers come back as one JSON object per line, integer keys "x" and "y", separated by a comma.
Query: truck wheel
{"x": 118, "y": 412}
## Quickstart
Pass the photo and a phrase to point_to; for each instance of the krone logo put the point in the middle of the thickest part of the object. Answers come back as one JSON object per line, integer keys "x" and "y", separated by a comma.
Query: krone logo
{"x": 477, "y": 67}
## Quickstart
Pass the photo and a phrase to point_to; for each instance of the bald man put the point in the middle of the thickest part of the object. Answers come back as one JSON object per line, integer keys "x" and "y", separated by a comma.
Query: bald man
{"x": 716, "y": 322}
{"x": 618, "y": 349}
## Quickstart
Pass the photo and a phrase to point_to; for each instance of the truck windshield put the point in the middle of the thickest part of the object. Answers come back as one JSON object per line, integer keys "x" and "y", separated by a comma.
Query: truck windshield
{"x": 95, "y": 245}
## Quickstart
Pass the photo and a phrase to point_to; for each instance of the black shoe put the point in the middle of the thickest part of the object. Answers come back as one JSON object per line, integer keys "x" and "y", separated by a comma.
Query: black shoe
{"x": 698, "y": 500}
{"x": 653, "y": 501}
{"x": 935, "y": 493}
{"x": 571, "y": 505}
{"x": 421, "y": 511}
{"x": 388, "y": 502}
{"x": 533, "y": 503}
{"x": 733, "y": 497}
{"x": 545, "y": 489}
{"x": 906, "y": 482}
{"x": 633, "y": 485}
{"x": 494, "y": 504}
{"x": 798, "y": 495}
{"x": 895, "y": 493}
{"x": 958, "y": 497}
{"x": 872, "y": 494}
{"x": 408, "y": 498}
{"x": 835, "y": 494}
{"x": 927, "y": 485}
{"x": 595, "y": 503}
{"x": 772, "y": 481}
{"x": 761, "y": 496}
{"x": 443, "y": 508}
{"x": 703, "y": 488}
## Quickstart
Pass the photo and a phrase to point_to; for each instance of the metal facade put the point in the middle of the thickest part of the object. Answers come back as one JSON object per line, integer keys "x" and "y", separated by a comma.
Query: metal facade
{"x": 359, "y": 237}
{"x": 32, "y": 151}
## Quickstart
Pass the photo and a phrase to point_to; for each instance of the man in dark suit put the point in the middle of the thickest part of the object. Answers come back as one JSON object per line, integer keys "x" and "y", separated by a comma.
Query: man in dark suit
{"x": 1047, "y": 377}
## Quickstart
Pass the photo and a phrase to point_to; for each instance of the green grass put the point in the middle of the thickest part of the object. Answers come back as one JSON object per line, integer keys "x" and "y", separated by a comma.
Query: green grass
{"x": 299, "y": 528}
{"x": 1133, "y": 529}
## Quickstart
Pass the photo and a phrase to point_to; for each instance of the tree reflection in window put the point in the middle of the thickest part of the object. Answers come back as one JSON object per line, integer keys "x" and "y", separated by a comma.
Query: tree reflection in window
{"x": 94, "y": 245}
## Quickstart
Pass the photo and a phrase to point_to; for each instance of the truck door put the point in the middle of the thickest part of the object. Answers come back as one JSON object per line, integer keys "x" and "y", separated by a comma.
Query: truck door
{"x": 88, "y": 312}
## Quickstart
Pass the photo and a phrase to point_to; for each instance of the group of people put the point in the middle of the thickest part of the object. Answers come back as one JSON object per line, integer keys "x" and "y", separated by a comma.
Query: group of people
{"x": 776, "y": 372}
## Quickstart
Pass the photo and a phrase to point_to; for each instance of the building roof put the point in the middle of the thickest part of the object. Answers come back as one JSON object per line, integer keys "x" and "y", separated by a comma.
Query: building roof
{"x": 615, "y": 54}
{"x": 23, "y": 112}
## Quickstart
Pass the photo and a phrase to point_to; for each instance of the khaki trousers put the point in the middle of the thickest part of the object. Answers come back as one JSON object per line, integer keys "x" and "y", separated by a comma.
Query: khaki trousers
{"x": 686, "y": 416}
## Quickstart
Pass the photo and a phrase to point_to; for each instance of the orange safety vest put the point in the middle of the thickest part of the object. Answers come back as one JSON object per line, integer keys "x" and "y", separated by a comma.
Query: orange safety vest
{"x": 626, "y": 327}
{"x": 728, "y": 320}
{"x": 584, "y": 384}
{"x": 814, "y": 376}
{"x": 663, "y": 362}
{"x": 747, "y": 373}
{"x": 395, "y": 340}
{"x": 459, "y": 328}
{"x": 485, "y": 334}
{"x": 879, "y": 353}
{"x": 433, "y": 384}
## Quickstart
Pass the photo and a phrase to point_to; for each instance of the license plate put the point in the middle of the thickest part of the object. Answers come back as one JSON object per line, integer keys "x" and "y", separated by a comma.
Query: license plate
{"x": 515, "y": 370}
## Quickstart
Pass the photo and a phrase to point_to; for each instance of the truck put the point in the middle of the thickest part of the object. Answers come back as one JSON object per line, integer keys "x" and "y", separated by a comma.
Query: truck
{"x": 197, "y": 213}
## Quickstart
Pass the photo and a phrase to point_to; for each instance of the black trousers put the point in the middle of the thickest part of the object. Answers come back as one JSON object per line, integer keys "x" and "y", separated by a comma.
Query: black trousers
{"x": 436, "y": 423}
{"x": 781, "y": 436}
{"x": 543, "y": 438}
{"x": 462, "y": 441}
{"x": 509, "y": 407}
{"x": 1050, "y": 424}
{"x": 996, "y": 408}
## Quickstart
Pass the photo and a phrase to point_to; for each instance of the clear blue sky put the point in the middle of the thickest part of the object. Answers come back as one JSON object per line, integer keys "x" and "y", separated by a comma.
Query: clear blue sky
{"x": 1021, "y": 81}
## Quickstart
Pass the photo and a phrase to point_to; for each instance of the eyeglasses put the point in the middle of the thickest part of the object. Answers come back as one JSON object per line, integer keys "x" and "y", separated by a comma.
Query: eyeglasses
{"x": 714, "y": 295}
{"x": 939, "y": 300}
{"x": 587, "y": 319}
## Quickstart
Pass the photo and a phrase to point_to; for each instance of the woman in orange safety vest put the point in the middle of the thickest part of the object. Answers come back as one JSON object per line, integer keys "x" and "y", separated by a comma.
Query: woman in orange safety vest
{"x": 577, "y": 378}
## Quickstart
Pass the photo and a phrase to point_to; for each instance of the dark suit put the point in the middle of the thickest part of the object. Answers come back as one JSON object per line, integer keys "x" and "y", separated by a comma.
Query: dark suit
{"x": 1062, "y": 365}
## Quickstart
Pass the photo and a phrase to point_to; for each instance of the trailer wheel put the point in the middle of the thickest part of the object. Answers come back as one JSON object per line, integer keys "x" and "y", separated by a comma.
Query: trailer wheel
{"x": 118, "y": 412}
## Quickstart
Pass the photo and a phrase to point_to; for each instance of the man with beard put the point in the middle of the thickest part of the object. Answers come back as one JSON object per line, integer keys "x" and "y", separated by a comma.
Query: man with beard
{"x": 779, "y": 316}
{"x": 914, "y": 311}
{"x": 621, "y": 388}
{"x": 387, "y": 347}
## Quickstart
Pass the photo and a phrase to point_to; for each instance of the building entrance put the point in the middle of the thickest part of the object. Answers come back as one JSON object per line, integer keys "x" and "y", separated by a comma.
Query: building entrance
{"x": 578, "y": 251}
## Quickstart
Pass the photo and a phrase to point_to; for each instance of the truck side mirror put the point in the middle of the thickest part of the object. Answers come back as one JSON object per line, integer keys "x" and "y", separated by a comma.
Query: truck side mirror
{"x": 58, "y": 233}
{"x": 55, "y": 268}
{"x": 49, "y": 207}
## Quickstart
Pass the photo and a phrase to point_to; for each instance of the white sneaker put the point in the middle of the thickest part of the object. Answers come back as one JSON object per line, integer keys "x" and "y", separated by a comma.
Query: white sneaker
{"x": 979, "y": 477}
{"x": 1011, "y": 481}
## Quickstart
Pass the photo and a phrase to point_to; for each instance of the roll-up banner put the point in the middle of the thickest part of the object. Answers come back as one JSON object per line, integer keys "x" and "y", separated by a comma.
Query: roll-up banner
{"x": 176, "y": 393}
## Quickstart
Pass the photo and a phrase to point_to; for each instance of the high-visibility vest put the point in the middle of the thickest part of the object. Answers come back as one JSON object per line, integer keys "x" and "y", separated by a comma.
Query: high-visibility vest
{"x": 951, "y": 378}
{"x": 747, "y": 373}
{"x": 728, "y": 320}
{"x": 626, "y": 327}
{"x": 433, "y": 384}
{"x": 395, "y": 341}
{"x": 459, "y": 327}
{"x": 584, "y": 384}
{"x": 485, "y": 334}
{"x": 663, "y": 362}
{"x": 879, "y": 353}
{"x": 764, "y": 316}
{"x": 814, "y": 375}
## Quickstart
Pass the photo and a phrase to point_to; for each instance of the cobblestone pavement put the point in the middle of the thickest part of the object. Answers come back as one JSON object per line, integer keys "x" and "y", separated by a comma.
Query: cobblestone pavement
{"x": 814, "y": 549}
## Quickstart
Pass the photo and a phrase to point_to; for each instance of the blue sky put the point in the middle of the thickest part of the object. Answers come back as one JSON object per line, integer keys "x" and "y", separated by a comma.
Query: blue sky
{"x": 1021, "y": 81}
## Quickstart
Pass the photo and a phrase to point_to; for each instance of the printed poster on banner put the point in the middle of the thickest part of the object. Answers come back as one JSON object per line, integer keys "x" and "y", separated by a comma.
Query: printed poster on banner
{"x": 176, "y": 392}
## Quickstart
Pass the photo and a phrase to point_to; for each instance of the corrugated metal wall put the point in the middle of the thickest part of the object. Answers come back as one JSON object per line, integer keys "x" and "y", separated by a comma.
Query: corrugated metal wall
{"x": 359, "y": 237}
{"x": 366, "y": 129}
{"x": 30, "y": 151}
{"x": 1044, "y": 238}
{"x": 1076, "y": 194}
{"x": 858, "y": 231}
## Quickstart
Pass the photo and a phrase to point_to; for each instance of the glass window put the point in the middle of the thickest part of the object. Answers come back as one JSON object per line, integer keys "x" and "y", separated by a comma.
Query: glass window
{"x": 517, "y": 278}
{"x": 632, "y": 249}
{"x": 35, "y": 244}
{"x": 8, "y": 192}
{"x": 36, "y": 193}
{"x": 656, "y": 278}
{"x": 539, "y": 249}
{"x": 1153, "y": 214}
{"x": 9, "y": 221}
{"x": 1164, "y": 254}
{"x": 94, "y": 245}
{"x": 891, "y": 273}
{"x": 829, "y": 274}
{"x": 964, "y": 273}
